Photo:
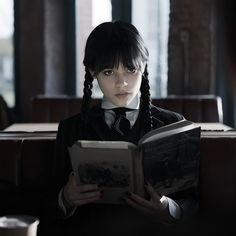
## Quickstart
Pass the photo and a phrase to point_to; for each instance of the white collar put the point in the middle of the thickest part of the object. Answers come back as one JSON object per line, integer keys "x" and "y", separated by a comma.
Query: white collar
{"x": 134, "y": 104}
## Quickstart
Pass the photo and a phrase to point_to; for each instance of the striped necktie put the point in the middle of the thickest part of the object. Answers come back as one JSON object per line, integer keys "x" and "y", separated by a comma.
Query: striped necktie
{"x": 121, "y": 125}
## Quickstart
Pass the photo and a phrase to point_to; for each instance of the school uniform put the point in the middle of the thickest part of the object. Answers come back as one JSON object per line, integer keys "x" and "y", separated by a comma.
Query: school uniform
{"x": 101, "y": 218}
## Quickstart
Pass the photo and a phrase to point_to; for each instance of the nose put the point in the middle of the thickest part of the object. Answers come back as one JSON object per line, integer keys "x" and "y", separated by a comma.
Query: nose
{"x": 121, "y": 81}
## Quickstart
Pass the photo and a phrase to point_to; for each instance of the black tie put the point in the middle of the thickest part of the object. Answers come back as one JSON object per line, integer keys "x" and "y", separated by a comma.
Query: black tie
{"x": 121, "y": 125}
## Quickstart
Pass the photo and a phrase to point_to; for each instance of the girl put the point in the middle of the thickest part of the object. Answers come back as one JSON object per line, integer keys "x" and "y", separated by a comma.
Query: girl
{"x": 116, "y": 57}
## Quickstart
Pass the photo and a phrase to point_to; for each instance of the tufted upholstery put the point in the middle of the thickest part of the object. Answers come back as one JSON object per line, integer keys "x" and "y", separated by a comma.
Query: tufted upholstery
{"x": 198, "y": 108}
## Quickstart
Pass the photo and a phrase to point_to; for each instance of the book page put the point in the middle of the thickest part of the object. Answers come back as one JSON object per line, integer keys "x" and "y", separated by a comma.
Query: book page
{"x": 171, "y": 164}
{"x": 105, "y": 144}
{"x": 213, "y": 126}
{"x": 167, "y": 130}
{"x": 218, "y": 134}
{"x": 111, "y": 169}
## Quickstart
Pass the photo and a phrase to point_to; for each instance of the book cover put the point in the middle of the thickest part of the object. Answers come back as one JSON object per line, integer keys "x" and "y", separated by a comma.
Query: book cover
{"x": 167, "y": 157}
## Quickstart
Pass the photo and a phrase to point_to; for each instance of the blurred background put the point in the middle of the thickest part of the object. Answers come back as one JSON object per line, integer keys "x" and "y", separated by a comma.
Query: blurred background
{"x": 192, "y": 46}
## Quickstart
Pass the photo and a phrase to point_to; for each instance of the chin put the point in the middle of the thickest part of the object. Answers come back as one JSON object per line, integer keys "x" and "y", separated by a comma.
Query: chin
{"x": 121, "y": 103}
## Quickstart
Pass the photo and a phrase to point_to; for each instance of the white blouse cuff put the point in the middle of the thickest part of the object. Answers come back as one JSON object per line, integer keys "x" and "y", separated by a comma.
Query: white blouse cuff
{"x": 174, "y": 208}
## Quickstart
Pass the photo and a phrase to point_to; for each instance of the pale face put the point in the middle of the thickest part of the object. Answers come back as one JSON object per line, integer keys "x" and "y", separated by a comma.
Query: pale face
{"x": 120, "y": 85}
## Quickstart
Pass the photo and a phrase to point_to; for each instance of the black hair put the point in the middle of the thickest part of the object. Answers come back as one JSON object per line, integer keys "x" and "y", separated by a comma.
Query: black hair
{"x": 146, "y": 102}
{"x": 108, "y": 45}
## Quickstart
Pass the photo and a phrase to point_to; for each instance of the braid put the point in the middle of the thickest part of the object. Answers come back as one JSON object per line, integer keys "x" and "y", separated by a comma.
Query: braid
{"x": 146, "y": 102}
{"x": 88, "y": 85}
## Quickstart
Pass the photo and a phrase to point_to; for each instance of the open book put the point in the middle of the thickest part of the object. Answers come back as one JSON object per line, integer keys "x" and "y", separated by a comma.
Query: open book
{"x": 167, "y": 158}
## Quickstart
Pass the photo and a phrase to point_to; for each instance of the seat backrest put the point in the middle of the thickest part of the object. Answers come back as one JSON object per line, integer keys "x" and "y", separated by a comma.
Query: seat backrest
{"x": 54, "y": 109}
{"x": 26, "y": 158}
{"x": 197, "y": 108}
{"x": 25, "y": 171}
{"x": 36, "y": 162}
{"x": 218, "y": 175}
{"x": 9, "y": 162}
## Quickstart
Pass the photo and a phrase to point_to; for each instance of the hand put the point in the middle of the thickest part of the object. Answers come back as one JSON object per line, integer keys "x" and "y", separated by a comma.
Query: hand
{"x": 77, "y": 195}
{"x": 156, "y": 207}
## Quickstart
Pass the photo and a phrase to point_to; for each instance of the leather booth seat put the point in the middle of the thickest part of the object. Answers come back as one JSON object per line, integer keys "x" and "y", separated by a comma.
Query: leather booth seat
{"x": 26, "y": 164}
{"x": 197, "y": 108}
{"x": 25, "y": 170}
{"x": 218, "y": 174}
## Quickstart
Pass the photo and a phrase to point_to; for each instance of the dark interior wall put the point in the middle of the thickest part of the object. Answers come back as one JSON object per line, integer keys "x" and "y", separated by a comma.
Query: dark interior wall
{"x": 54, "y": 41}
{"x": 226, "y": 13}
{"x": 29, "y": 53}
{"x": 192, "y": 47}
{"x": 43, "y": 40}
{"x": 45, "y": 49}
{"x": 202, "y": 51}
{"x": 226, "y": 61}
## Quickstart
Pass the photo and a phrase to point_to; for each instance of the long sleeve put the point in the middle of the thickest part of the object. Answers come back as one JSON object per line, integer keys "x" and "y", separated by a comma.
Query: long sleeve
{"x": 67, "y": 211}
{"x": 61, "y": 168}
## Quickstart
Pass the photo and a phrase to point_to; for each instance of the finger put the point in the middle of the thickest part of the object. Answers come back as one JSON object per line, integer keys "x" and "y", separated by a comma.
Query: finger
{"x": 88, "y": 195}
{"x": 86, "y": 201}
{"x": 146, "y": 183}
{"x": 137, "y": 206}
{"x": 144, "y": 206}
{"x": 71, "y": 178}
{"x": 140, "y": 201}
{"x": 75, "y": 191}
{"x": 76, "y": 197}
{"x": 155, "y": 196}
{"x": 155, "y": 213}
{"x": 87, "y": 187}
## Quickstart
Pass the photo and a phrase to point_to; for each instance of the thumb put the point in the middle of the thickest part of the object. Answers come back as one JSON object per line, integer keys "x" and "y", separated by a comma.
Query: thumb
{"x": 71, "y": 178}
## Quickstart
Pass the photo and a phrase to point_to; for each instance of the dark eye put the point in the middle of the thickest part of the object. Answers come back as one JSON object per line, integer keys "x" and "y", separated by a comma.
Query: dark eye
{"x": 131, "y": 69}
{"x": 108, "y": 72}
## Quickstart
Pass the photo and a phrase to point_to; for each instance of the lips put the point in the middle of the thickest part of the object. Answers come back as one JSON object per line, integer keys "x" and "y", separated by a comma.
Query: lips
{"x": 122, "y": 94}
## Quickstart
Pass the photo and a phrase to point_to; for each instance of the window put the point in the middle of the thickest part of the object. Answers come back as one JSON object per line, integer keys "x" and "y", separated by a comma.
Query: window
{"x": 6, "y": 52}
{"x": 90, "y": 13}
{"x": 152, "y": 20}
